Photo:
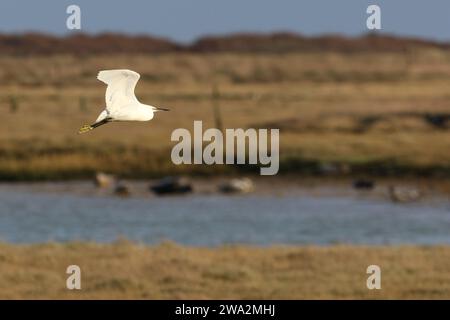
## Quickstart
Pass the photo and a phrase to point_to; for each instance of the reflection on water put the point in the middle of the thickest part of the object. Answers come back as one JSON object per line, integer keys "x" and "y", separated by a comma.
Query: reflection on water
{"x": 27, "y": 216}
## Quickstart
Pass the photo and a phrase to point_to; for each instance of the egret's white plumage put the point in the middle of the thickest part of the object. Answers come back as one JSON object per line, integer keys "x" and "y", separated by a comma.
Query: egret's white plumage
{"x": 121, "y": 102}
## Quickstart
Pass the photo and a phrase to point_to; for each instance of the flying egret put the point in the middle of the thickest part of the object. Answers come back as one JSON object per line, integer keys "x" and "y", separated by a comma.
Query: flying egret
{"x": 121, "y": 102}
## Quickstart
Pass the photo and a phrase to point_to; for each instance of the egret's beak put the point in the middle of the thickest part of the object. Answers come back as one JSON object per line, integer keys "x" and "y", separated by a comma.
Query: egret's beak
{"x": 161, "y": 109}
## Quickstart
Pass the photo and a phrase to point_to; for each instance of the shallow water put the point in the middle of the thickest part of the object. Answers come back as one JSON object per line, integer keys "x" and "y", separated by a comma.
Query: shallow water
{"x": 27, "y": 216}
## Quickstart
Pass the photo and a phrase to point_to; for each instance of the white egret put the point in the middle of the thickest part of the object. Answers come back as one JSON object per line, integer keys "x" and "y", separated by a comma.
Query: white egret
{"x": 121, "y": 102}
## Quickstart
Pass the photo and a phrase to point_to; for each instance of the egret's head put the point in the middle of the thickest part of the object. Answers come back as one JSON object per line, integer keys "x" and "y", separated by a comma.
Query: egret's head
{"x": 155, "y": 109}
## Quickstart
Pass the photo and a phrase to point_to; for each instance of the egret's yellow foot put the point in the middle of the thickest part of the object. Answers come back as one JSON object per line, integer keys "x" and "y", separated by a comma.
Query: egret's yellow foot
{"x": 85, "y": 128}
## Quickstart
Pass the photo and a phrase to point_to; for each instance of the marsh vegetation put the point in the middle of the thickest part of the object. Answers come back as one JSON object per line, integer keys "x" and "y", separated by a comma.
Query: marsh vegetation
{"x": 381, "y": 113}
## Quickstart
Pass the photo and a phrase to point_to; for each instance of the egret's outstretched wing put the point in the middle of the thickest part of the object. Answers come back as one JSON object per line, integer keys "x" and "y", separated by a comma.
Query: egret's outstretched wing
{"x": 120, "y": 90}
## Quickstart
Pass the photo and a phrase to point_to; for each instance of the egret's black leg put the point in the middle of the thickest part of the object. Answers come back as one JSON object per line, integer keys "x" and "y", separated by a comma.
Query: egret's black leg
{"x": 87, "y": 127}
{"x": 100, "y": 123}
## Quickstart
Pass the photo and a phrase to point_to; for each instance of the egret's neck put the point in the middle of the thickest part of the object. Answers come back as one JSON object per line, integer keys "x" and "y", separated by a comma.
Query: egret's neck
{"x": 146, "y": 111}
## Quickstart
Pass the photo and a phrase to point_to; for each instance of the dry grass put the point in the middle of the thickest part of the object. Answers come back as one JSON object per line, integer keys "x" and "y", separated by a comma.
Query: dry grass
{"x": 321, "y": 102}
{"x": 128, "y": 271}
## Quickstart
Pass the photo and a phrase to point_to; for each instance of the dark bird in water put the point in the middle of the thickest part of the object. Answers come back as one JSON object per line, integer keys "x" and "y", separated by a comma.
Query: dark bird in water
{"x": 363, "y": 184}
{"x": 172, "y": 185}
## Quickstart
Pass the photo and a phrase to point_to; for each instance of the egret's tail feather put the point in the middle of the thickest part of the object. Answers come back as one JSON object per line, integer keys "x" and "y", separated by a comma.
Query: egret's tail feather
{"x": 85, "y": 128}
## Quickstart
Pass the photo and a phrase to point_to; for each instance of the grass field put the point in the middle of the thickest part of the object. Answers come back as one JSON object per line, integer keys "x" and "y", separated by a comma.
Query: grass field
{"x": 168, "y": 271}
{"x": 373, "y": 112}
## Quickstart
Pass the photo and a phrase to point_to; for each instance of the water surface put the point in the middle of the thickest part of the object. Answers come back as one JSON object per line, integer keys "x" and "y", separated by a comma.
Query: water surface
{"x": 212, "y": 219}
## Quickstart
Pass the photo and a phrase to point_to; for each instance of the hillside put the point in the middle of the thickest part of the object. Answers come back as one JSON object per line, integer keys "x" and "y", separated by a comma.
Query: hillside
{"x": 107, "y": 43}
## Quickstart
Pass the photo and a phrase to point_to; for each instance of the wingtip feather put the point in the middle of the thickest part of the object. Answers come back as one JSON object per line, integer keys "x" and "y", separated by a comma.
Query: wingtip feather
{"x": 106, "y": 75}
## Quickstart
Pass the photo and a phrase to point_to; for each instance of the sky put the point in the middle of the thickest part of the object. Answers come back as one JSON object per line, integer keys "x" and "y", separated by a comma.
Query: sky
{"x": 186, "y": 20}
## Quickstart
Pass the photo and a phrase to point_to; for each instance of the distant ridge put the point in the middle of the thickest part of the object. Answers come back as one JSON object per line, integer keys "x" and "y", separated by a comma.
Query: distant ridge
{"x": 81, "y": 44}
{"x": 110, "y": 43}
{"x": 286, "y": 42}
